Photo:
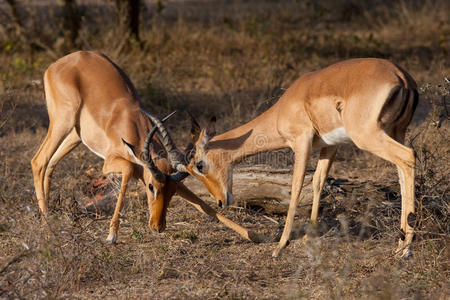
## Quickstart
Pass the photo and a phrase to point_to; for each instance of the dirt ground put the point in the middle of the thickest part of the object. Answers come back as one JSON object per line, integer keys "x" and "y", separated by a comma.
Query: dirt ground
{"x": 234, "y": 61}
{"x": 197, "y": 257}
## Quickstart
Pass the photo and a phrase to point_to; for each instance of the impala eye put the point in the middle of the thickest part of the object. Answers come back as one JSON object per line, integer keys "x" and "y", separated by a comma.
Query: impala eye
{"x": 199, "y": 166}
{"x": 150, "y": 187}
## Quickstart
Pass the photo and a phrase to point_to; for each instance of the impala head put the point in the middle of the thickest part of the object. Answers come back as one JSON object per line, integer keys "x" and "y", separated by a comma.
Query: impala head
{"x": 160, "y": 183}
{"x": 159, "y": 194}
{"x": 211, "y": 167}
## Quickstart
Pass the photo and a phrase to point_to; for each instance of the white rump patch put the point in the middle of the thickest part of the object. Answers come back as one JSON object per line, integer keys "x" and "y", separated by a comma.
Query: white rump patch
{"x": 335, "y": 137}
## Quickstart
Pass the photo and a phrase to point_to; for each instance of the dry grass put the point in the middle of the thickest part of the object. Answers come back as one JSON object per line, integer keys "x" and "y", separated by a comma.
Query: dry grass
{"x": 233, "y": 60}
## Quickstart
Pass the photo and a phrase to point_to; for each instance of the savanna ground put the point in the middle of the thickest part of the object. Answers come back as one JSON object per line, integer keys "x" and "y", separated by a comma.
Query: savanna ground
{"x": 232, "y": 59}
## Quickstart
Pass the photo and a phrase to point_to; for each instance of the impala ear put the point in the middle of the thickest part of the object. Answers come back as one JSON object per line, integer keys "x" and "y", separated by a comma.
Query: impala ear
{"x": 207, "y": 133}
{"x": 203, "y": 139}
{"x": 210, "y": 129}
{"x": 132, "y": 150}
{"x": 195, "y": 128}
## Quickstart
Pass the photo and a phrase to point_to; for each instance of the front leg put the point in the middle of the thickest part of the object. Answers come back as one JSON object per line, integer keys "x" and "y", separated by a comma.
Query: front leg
{"x": 123, "y": 166}
{"x": 302, "y": 149}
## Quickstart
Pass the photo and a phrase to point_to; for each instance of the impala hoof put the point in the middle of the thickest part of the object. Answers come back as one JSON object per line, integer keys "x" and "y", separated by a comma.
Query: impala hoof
{"x": 276, "y": 252}
{"x": 403, "y": 251}
{"x": 305, "y": 238}
{"x": 407, "y": 254}
{"x": 404, "y": 254}
{"x": 257, "y": 238}
{"x": 157, "y": 227}
{"x": 111, "y": 239}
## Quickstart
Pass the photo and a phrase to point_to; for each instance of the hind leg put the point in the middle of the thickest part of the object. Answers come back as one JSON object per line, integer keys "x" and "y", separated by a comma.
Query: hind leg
{"x": 69, "y": 143}
{"x": 39, "y": 163}
{"x": 403, "y": 157}
{"x": 409, "y": 216}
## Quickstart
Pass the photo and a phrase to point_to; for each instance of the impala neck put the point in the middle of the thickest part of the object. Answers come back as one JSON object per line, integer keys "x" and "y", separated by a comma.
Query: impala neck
{"x": 258, "y": 135}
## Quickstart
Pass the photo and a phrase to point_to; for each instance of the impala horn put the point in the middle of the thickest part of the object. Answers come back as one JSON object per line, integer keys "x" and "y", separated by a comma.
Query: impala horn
{"x": 175, "y": 156}
{"x": 157, "y": 174}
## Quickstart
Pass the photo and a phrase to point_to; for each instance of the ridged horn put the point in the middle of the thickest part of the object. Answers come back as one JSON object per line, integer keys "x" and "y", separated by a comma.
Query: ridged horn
{"x": 175, "y": 156}
{"x": 156, "y": 173}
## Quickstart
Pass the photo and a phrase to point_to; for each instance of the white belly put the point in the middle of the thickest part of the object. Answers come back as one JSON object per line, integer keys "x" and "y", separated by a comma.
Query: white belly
{"x": 92, "y": 136}
{"x": 335, "y": 137}
{"x": 96, "y": 153}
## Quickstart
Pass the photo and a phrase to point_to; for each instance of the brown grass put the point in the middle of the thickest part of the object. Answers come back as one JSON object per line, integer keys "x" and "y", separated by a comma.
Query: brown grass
{"x": 233, "y": 60}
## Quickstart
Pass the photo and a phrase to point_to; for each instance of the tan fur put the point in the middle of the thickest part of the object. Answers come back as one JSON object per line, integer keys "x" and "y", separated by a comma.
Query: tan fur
{"x": 347, "y": 97}
{"x": 91, "y": 100}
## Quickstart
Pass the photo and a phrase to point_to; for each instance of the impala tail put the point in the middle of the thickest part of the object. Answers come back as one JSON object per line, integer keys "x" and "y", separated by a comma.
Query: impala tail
{"x": 399, "y": 107}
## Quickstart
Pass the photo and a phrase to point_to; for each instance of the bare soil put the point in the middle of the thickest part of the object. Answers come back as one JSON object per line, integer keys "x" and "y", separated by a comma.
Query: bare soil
{"x": 196, "y": 257}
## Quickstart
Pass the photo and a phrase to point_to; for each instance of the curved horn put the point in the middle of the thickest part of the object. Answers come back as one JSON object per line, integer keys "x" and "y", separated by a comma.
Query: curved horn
{"x": 150, "y": 136}
{"x": 176, "y": 157}
{"x": 156, "y": 173}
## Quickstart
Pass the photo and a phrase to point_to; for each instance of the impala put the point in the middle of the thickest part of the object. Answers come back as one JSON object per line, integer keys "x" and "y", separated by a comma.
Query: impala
{"x": 368, "y": 101}
{"x": 90, "y": 100}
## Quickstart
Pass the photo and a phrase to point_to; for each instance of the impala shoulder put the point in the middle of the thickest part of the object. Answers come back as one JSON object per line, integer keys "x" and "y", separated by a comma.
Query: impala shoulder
{"x": 84, "y": 54}
{"x": 68, "y": 62}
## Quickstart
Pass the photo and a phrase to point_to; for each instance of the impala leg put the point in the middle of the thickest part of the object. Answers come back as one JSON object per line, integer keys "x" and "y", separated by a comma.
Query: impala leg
{"x": 408, "y": 198}
{"x": 408, "y": 217}
{"x": 69, "y": 143}
{"x": 39, "y": 163}
{"x": 203, "y": 207}
{"x": 403, "y": 157}
{"x": 127, "y": 171}
{"x": 320, "y": 175}
{"x": 302, "y": 150}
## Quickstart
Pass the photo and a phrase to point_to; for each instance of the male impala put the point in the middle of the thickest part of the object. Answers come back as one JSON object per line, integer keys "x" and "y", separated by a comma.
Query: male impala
{"x": 369, "y": 102}
{"x": 90, "y": 100}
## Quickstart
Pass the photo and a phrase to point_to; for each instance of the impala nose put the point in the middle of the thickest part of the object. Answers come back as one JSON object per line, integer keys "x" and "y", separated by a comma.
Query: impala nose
{"x": 220, "y": 203}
